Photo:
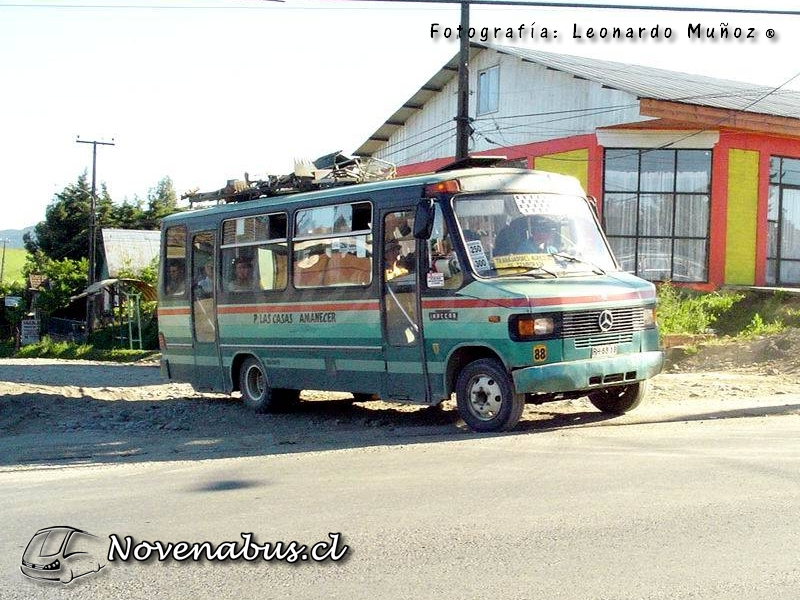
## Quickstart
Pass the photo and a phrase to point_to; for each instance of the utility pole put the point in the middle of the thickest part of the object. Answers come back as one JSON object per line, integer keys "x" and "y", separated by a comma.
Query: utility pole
{"x": 462, "y": 116}
{"x": 92, "y": 227}
{"x": 3, "y": 263}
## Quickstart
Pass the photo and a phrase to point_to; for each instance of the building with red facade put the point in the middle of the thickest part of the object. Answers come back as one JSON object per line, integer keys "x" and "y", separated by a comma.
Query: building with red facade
{"x": 697, "y": 179}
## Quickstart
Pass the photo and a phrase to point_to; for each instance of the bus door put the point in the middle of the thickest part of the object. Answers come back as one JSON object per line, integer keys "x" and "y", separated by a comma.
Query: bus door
{"x": 207, "y": 372}
{"x": 406, "y": 374}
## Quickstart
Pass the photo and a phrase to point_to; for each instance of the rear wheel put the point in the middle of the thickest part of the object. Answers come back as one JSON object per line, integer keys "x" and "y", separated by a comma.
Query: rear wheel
{"x": 257, "y": 393}
{"x": 620, "y": 399}
{"x": 485, "y": 397}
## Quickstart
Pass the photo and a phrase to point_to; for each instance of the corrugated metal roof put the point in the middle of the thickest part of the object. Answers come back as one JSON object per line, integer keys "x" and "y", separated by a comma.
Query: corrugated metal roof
{"x": 661, "y": 84}
{"x": 641, "y": 81}
{"x": 129, "y": 249}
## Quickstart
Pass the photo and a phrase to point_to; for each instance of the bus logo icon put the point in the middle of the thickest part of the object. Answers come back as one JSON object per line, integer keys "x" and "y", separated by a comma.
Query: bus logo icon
{"x": 62, "y": 554}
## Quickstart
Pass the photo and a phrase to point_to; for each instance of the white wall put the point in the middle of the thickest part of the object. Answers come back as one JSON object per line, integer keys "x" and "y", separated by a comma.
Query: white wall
{"x": 555, "y": 105}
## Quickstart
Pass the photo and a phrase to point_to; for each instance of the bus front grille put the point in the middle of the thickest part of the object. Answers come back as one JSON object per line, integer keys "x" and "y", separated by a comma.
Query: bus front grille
{"x": 618, "y": 326}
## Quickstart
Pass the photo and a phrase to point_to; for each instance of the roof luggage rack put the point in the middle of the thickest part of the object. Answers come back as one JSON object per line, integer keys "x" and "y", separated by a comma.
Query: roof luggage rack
{"x": 331, "y": 170}
{"x": 473, "y": 162}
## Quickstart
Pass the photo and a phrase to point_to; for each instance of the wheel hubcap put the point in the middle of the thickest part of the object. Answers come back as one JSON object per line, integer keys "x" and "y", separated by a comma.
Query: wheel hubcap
{"x": 255, "y": 382}
{"x": 485, "y": 397}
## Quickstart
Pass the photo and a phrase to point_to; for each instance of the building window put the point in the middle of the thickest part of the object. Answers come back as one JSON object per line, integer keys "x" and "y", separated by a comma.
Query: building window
{"x": 783, "y": 222}
{"x": 656, "y": 206}
{"x": 489, "y": 90}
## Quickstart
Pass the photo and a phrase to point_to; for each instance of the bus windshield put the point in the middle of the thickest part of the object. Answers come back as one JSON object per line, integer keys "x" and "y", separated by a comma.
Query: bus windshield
{"x": 540, "y": 235}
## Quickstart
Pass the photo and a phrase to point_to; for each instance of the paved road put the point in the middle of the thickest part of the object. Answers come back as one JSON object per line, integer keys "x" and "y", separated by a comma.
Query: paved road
{"x": 706, "y": 508}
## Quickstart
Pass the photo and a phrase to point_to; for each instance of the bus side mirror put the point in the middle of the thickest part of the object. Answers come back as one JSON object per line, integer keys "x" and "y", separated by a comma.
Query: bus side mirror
{"x": 423, "y": 219}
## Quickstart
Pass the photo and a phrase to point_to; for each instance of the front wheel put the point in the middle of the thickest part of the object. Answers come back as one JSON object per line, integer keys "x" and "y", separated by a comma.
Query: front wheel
{"x": 619, "y": 399}
{"x": 485, "y": 397}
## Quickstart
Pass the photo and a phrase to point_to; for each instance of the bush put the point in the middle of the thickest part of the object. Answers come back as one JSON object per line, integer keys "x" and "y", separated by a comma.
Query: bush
{"x": 758, "y": 327}
{"x": 682, "y": 310}
{"x": 47, "y": 348}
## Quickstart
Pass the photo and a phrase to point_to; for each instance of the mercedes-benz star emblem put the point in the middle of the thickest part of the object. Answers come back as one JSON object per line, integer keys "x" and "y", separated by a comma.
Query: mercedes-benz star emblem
{"x": 605, "y": 321}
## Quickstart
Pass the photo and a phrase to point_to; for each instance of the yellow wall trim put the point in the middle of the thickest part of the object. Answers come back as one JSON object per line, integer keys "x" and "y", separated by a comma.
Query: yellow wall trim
{"x": 740, "y": 254}
{"x": 574, "y": 162}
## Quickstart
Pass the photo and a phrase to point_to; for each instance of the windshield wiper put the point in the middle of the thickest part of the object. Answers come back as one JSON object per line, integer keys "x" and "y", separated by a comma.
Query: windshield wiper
{"x": 531, "y": 272}
{"x": 535, "y": 272}
{"x": 569, "y": 257}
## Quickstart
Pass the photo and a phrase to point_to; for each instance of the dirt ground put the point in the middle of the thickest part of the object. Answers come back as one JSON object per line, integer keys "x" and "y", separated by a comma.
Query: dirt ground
{"x": 56, "y": 413}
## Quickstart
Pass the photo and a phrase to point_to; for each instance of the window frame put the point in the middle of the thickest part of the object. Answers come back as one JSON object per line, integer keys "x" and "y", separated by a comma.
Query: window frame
{"x": 777, "y": 184}
{"x": 488, "y": 91}
{"x": 173, "y": 260}
{"x": 678, "y": 198}
{"x": 334, "y": 267}
{"x": 230, "y": 251}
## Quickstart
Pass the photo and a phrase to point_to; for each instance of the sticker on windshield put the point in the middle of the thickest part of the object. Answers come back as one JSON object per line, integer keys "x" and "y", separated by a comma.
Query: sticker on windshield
{"x": 529, "y": 261}
{"x": 435, "y": 279}
{"x": 478, "y": 256}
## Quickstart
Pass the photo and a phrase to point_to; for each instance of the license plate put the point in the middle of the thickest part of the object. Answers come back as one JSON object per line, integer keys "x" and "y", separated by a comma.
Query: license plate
{"x": 604, "y": 351}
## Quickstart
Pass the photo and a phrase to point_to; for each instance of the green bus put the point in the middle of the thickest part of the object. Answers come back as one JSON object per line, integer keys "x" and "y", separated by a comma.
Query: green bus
{"x": 495, "y": 284}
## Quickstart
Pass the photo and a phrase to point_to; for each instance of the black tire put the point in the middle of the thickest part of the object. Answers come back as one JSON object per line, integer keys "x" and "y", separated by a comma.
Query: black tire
{"x": 619, "y": 399}
{"x": 257, "y": 393}
{"x": 485, "y": 397}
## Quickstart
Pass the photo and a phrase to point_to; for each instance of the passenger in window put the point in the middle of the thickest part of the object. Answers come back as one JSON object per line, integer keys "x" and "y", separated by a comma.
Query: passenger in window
{"x": 205, "y": 285}
{"x": 176, "y": 279}
{"x": 242, "y": 275}
{"x": 394, "y": 264}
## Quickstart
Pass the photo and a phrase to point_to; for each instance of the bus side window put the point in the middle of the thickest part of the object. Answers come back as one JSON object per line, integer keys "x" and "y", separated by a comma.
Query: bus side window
{"x": 442, "y": 257}
{"x": 255, "y": 253}
{"x": 333, "y": 246}
{"x": 272, "y": 264}
{"x": 309, "y": 271}
{"x": 344, "y": 268}
{"x": 174, "y": 275}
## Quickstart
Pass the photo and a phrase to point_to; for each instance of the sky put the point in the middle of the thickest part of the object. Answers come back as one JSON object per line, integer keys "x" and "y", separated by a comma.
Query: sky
{"x": 203, "y": 91}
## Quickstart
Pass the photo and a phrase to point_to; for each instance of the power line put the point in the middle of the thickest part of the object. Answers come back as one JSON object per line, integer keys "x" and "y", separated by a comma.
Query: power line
{"x": 282, "y": 5}
{"x": 254, "y": 5}
{"x": 589, "y": 5}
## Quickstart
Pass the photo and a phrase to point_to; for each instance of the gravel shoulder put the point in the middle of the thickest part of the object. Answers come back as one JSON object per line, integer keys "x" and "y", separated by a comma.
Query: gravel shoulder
{"x": 58, "y": 413}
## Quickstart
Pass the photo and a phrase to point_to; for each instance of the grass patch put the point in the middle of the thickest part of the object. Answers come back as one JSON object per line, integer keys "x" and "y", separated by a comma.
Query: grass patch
{"x": 748, "y": 313}
{"x": 12, "y": 267}
{"x": 682, "y": 310}
{"x": 48, "y": 348}
{"x": 758, "y": 327}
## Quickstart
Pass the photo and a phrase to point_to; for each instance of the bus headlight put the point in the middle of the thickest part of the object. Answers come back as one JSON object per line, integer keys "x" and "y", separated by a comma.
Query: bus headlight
{"x": 650, "y": 316}
{"x": 528, "y": 327}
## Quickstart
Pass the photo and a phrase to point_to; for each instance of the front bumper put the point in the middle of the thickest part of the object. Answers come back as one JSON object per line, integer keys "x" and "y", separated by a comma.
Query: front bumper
{"x": 588, "y": 374}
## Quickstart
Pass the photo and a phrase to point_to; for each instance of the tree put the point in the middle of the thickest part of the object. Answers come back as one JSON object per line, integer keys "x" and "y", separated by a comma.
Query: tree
{"x": 64, "y": 278}
{"x": 64, "y": 233}
{"x": 129, "y": 215}
{"x": 161, "y": 201}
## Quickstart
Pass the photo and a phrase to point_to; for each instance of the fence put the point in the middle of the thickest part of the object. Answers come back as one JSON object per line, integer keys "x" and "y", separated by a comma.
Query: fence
{"x": 66, "y": 330}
